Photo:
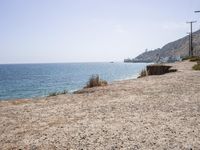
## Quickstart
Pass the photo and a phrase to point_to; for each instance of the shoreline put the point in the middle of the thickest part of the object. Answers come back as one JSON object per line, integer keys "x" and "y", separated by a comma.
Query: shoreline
{"x": 70, "y": 92}
{"x": 81, "y": 89}
{"x": 154, "y": 112}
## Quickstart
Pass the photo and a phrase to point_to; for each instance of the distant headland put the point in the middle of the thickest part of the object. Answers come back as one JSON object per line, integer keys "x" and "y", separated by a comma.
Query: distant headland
{"x": 171, "y": 52}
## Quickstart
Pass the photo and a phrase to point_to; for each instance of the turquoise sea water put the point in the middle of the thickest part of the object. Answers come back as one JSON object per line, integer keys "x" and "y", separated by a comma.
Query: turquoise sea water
{"x": 36, "y": 80}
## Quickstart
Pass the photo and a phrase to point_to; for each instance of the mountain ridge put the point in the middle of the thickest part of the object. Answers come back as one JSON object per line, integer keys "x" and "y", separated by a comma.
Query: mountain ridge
{"x": 178, "y": 48}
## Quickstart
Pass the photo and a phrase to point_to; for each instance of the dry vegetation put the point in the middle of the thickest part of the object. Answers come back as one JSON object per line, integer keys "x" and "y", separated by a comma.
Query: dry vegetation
{"x": 196, "y": 67}
{"x": 143, "y": 73}
{"x": 95, "y": 81}
{"x": 195, "y": 59}
{"x": 192, "y": 58}
{"x": 57, "y": 93}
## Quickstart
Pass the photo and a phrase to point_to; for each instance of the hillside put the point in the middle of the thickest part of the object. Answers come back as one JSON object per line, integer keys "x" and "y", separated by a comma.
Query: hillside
{"x": 177, "y": 48}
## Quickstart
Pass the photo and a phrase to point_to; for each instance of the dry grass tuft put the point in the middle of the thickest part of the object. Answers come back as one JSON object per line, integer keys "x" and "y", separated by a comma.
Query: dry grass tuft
{"x": 57, "y": 93}
{"x": 95, "y": 81}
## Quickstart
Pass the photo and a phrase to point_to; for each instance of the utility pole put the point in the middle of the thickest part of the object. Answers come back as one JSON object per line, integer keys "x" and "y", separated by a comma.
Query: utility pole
{"x": 191, "y": 39}
{"x": 188, "y": 33}
{"x": 198, "y": 11}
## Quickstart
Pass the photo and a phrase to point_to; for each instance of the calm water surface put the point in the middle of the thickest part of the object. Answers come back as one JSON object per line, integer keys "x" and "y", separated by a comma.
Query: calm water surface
{"x": 35, "y": 80}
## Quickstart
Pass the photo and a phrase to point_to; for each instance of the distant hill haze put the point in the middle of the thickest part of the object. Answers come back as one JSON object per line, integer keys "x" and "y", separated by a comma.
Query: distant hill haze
{"x": 177, "y": 48}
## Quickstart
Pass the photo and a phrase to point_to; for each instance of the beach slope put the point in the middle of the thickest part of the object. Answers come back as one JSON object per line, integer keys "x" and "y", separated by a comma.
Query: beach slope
{"x": 154, "y": 112}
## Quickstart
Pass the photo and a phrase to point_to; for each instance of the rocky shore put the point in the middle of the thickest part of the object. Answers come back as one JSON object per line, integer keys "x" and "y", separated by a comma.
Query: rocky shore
{"x": 154, "y": 112}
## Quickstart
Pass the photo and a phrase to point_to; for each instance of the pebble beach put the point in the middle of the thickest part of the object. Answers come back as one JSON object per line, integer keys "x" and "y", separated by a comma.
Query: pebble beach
{"x": 154, "y": 112}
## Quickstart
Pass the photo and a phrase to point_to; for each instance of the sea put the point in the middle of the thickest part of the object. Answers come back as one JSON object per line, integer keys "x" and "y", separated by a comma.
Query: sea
{"x": 18, "y": 81}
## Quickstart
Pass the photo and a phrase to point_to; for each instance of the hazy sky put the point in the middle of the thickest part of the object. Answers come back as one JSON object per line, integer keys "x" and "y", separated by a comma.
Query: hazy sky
{"x": 33, "y": 31}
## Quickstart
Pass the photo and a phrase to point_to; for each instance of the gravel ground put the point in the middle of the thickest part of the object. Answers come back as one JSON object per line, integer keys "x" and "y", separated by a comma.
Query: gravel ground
{"x": 155, "y": 112}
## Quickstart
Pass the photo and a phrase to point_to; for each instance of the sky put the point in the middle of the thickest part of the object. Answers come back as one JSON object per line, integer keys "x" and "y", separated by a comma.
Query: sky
{"x": 48, "y": 31}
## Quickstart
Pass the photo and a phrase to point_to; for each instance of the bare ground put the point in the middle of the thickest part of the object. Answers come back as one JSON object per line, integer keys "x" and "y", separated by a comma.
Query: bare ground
{"x": 155, "y": 112}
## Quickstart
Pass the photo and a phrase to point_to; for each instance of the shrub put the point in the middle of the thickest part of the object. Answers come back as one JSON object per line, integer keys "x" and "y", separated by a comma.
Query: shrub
{"x": 95, "y": 81}
{"x": 186, "y": 58}
{"x": 195, "y": 59}
{"x": 57, "y": 93}
{"x": 64, "y": 92}
{"x": 196, "y": 67}
{"x": 192, "y": 58}
{"x": 53, "y": 94}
